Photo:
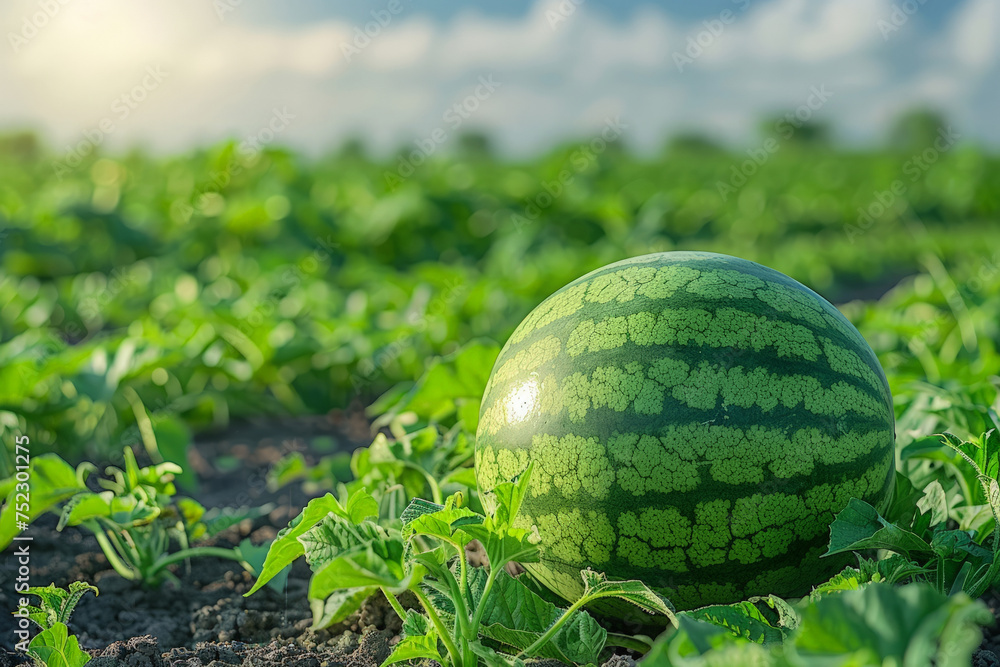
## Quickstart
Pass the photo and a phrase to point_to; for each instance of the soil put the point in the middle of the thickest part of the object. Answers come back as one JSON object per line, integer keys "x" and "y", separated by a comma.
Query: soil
{"x": 206, "y": 621}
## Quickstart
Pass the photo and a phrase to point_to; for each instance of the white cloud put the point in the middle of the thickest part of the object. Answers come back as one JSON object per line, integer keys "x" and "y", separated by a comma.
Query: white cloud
{"x": 975, "y": 32}
{"x": 558, "y": 78}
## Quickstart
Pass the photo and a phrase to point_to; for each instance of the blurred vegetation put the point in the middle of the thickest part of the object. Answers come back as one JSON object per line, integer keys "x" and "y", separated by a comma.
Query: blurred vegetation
{"x": 145, "y": 297}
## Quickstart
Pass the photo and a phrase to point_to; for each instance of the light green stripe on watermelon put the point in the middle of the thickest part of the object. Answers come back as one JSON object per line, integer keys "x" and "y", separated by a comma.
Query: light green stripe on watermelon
{"x": 695, "y": 421}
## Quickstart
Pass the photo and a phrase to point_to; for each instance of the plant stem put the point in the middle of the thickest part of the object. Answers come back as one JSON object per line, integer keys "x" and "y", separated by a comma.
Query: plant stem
{"x": 481, "y": 608}
{"x": 541, "y": 641}
{"x": 462, "y": 627}
{"x": 980, "y": 586}
{"x": 463, "y": 570}
{"x": 218, "y": 552}
{"x": 110, "y": 553}
{"x": 394, "y": 603}
{"x": 449, "y": 643}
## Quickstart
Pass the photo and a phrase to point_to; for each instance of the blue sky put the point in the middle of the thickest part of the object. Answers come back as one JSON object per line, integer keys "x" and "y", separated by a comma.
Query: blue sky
{"x": 442, "y": 10}
{"x": 171, "y": 74}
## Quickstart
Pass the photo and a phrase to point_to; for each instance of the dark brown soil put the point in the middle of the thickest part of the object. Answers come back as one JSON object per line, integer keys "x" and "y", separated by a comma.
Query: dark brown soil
{"x": 207, "y": 621}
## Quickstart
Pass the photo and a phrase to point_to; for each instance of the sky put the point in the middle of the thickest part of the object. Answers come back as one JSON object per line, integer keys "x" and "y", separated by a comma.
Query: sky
{"x": 172, "y": 74}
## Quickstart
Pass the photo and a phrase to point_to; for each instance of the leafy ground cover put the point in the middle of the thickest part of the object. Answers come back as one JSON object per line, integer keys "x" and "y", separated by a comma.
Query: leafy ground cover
{"x": 143, "y": 301}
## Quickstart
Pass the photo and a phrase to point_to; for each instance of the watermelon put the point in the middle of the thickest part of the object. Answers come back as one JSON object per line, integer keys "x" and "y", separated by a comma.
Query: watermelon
{"x": 695, "y": 420}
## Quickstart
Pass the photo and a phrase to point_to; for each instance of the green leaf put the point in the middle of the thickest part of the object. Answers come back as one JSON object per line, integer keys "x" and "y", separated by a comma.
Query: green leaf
{"x": 364, "y": 568}
{"x": 255, "y": 556}
{"x": 462, "y": 477}
{"x": 418, "y": 507}
{"x": 338, "y": 606}
{"x": 288, "y": 469}
{"x": 492, "y": 658}
{"x": 123, "y": 510}
{"x": 859, "y": 526}
{"x": 849, "y": 579}
{"x": 903, "y": 508}
{"x": 935, "y": 502}
{"x": 508, "y": 497}
{"x": 360, "y": 506}
{"x": 516, "y": 617}
{"x": 597, "y": 586}
{"x": 334, "y": 537}
{"x": 286, "y": 546}
{"x": 416, "y": 647}
{"x": 743, "y": 619}
{"x": 698, "y": 643}
{"x": 219, "y": 519}
{"x": 415, "y": 623}
{"x": 444, "y": 524}
{"x": 54, "y": 647}
{"x": 514, "y": 545}
{"x": 51, "y": 481}
{"x": 908, "y": 625}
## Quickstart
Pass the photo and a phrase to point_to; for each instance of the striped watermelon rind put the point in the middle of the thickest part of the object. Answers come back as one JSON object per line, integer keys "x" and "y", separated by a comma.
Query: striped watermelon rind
{"x": 696, "y": 421}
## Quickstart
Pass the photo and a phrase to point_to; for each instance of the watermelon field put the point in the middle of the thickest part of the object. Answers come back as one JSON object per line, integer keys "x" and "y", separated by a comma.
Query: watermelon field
{"x": 599, "y": 406}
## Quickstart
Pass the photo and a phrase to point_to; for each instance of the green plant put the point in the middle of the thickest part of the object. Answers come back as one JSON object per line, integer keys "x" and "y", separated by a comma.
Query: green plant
{"x": 474, "y": 614}
{"x": 53, "y": 645}
{"x": 136, "y": 520}
{"x": 953, "y": 559}
{"x": 875, "y": 624}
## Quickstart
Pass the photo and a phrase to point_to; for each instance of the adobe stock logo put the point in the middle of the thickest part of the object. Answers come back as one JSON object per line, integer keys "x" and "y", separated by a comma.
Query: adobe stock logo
{"x": 31, "y": 25}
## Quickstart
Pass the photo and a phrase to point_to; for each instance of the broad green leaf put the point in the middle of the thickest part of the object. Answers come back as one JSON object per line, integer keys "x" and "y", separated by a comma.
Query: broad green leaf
{"x": 508, "y": 497}
{"x": 363, "y": 569}
{"x": 597, "y": 586}
{"x": 516, "y": 617}
{"x": 907, "y": 625}
{"x": 255, "y": 556}
{"x": 462, "y": 476}
{"x": 56, "y": 648}
{"x": 416, "y": 647}
{"x": 517, "y": 545}
{"x": 338, "y": 606}
{"x": 441, "y": 524}
{"x": 903, "y": 508}
{"x": 492, "y": 658}
{"x": 958, "y": 544}
{"x": 51, "y": 481}
{"x": 360, "y": 506}
{"x": 743, "y": 619}
{"x": 334, "y": 537}
{"x": 418, "y": 507}
{"x": 859, "y": 526}
{"x": 415, "y": 623}
{"x": 935, "y": 502}
{"x": 702, "y": 644}
{"x": 286, "y": 546}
